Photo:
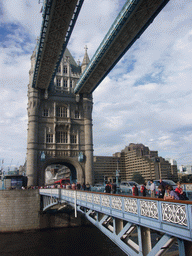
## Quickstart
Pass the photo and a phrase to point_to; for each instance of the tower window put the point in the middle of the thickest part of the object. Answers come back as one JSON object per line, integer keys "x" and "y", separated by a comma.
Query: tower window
{"x": 73, "y": 139}
{"x": 61, "y": 137}
{"x": 45, "y": 112}
{"x": 58, "y": 82}
{"x": 64, "y": 83}
{"x": 49, "y": 138}
{"x": 77, "y": 114}
{"x": 65, "y": 69}
{"x": 62, "y": 112}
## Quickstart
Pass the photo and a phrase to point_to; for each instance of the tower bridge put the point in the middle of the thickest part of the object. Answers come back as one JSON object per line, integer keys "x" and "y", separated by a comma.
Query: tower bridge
{"x": 60, "y": 90}
{"x": 60, "y": 129}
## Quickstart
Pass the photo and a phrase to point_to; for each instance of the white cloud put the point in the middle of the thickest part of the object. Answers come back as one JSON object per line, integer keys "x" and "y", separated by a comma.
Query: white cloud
{"x": 145, "y": 99}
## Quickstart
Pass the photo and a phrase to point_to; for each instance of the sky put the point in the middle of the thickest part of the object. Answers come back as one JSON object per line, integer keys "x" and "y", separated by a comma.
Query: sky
{"x": 146, "y": 98}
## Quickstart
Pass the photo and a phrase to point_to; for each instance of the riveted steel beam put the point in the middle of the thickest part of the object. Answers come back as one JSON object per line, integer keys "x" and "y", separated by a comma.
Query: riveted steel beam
{"x": 135, "y": 17}
{"x": 59, "y": 18}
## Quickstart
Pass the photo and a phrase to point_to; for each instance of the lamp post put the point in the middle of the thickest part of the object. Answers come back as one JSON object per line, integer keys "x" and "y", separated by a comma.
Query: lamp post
{"x": 104, "y": 180}
{"x": 117, "y": 173}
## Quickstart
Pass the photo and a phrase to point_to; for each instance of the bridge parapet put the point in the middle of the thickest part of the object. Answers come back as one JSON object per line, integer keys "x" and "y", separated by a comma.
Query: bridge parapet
{"x": 170, "y": 217}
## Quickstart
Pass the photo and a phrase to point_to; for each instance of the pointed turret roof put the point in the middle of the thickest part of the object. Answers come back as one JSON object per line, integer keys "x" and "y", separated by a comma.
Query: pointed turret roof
{"x": 86, "y": 59}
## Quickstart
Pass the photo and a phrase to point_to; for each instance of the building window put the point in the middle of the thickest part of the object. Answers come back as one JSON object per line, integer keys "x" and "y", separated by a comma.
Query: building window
{"x": 71, "y": 83}
{"x": 61, "y": 112}
{"x": 73, "y": 139}
{"x": 45, "y": 112}
{"x": 61, "y": 137}
{"x": 65, "y": 69}
{"x": 58, "y": 82}
{"x": 49, "y": 138}
{"x": 76, "y": 114}
{"x": 64, "y": 83}
{"x": 59, "y": 69}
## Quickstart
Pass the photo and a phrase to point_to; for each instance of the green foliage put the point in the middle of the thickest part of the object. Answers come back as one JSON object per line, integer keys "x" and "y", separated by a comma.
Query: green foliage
{"x": 138, "y": 178}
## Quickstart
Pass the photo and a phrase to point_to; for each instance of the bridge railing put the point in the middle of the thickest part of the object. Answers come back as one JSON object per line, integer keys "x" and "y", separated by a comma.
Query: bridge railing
{"x": 172, "y": 217}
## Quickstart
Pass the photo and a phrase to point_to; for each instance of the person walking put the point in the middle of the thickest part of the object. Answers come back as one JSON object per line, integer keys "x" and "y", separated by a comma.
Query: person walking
{"x": 135, "y": 190}
{"x": 152, "y": 188}
{"x": 161, "y": 191}
{"x": 143, "y": 189}
{"x": 108, "y": 188}
{"x": 114, "y": 188}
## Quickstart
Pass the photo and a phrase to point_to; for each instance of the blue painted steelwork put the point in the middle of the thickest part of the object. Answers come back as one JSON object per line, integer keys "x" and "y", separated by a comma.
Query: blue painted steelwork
{"x": 110, "y": 37}
{"x": 68, "y": 35}
{"x": 39, "y": 48}
{"x": 108, "y": 212}
{"x": 45, "y": 23}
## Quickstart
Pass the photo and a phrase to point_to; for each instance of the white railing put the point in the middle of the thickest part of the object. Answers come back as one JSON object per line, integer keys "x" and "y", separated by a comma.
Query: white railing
{"x": 173, "y": 216}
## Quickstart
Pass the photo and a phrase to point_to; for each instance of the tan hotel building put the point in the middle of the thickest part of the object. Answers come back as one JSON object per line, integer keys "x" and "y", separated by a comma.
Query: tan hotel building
{"x": 134, "y": 158}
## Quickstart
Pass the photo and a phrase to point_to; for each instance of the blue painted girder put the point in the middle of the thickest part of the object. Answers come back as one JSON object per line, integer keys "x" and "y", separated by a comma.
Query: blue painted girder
{"x": 134, "y": 18}
{"x": 59, "y": 18}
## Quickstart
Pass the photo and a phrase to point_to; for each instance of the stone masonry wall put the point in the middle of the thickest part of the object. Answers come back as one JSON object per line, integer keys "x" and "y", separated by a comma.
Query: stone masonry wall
{"x": 19, "y": 210}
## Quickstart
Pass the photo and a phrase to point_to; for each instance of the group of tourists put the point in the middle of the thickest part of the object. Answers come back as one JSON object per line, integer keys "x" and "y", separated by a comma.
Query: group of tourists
{"x": 164, "y": 191}
{"x": 111, "y": 188}
{"x": 167, "y": 192}
{"x": 78, "y": 186}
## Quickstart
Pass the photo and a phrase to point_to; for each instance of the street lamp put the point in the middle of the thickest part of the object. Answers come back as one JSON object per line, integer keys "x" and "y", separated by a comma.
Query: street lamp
{"x": 117, "y": 173}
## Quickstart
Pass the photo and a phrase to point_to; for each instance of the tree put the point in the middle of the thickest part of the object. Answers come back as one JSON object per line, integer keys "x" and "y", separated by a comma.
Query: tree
{"x": 138, "y": 178}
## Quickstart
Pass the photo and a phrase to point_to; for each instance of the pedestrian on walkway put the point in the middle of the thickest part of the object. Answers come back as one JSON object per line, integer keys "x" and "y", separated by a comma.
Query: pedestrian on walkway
{"x": 152, "y": 188}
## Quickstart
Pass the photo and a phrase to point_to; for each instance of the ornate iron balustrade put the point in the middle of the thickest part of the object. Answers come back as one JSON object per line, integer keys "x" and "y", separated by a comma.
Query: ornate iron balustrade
{"x": 170, "y": 217}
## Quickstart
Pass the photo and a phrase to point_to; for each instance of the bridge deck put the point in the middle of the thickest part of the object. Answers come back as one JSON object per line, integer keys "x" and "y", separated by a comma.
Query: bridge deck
{"x": 132, "y": 21}
{"x": 171, "y": 217}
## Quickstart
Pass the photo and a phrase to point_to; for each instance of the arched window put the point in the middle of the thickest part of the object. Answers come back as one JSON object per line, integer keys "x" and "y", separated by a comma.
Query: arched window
{"x": 77, "y": 114}
{"x": 58, "y": 82}
{"x": 73, "y": 139}
{"x": 65, "y": 69}
{"x": 64, "y": 83}
{"x": 45, "y": 112}
{"x": 61, "y": 137}
{"x": 61, "y": 111}
{"x": 49, "y": 138}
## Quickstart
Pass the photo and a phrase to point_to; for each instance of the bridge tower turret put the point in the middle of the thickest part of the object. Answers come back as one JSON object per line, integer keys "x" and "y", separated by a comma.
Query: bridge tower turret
{"x": 60, "y": 124}
{"x": 86, "y": 60}
{"x": 32, "y": 139}
{"x": 87, "y": 106}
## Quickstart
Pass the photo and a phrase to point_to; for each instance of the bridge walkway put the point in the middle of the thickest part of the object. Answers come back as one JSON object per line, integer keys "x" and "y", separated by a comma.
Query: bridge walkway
{"x": 132, "y": 21}
{"x": 130, "y": 221}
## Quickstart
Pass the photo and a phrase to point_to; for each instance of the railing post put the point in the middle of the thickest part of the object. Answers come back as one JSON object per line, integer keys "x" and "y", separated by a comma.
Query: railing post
{"x": 75, "y": 204}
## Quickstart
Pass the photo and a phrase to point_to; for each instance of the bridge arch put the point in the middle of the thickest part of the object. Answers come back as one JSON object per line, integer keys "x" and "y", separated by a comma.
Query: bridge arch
{"x": 76, "y": 169}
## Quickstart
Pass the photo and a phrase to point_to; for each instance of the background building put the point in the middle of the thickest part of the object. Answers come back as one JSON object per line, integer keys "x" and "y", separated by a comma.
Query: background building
{"x": 185, "y": 169}
{"x": 134, "y": 158}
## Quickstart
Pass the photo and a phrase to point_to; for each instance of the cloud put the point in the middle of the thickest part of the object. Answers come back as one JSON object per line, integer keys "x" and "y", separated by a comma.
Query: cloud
{"x": 145, "y": 99}
{"x": 156, "y": 93}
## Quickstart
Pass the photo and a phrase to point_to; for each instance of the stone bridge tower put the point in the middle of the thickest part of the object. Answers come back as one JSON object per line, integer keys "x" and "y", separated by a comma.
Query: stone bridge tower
{"x": 60, "y": 124}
